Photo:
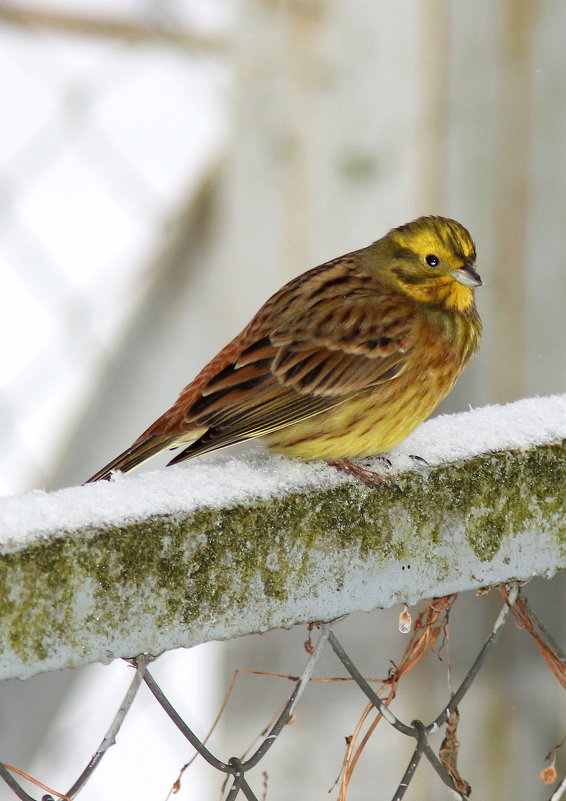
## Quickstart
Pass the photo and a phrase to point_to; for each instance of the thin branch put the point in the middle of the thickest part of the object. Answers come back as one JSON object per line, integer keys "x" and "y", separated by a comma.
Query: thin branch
{"x": 542, "y": 628}
{"x": 441, "y": 770}
{"x": 551, "y": 653}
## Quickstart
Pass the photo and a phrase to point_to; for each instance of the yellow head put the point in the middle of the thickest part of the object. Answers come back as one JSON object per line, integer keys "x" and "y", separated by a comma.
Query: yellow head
{"x": 432, "y": 259}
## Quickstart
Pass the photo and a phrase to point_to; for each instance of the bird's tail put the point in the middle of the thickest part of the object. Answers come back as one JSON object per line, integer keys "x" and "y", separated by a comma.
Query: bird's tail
{"x": 136, "y": 454}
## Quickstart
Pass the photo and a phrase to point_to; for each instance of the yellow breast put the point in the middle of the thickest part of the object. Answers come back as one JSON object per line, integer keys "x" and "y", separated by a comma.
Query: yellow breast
{"x": 378, "y": 418}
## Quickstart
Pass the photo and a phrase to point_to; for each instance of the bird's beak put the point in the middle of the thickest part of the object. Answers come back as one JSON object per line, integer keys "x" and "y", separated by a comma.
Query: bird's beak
{"x": 467, "y": 275}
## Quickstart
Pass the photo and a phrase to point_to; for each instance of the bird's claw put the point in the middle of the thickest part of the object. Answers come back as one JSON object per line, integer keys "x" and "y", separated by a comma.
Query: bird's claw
{"x": 368, "y": 477}
{"x": 419, "y": 459}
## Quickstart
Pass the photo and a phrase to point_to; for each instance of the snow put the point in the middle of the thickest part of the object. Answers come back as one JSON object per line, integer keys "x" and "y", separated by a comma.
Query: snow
{"x": 227, "y": 480}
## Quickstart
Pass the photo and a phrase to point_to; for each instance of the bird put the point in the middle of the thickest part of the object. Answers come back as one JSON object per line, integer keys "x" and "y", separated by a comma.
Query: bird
{"x": 342, "y": 363}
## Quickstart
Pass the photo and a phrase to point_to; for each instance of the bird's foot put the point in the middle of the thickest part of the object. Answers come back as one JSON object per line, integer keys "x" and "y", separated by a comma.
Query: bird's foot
{"x": 419, "y": 459}
{"x": 369, "y": 477}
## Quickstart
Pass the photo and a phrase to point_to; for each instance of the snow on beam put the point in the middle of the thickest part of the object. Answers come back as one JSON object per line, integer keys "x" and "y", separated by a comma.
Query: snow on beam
{"x": 220, "y": 548}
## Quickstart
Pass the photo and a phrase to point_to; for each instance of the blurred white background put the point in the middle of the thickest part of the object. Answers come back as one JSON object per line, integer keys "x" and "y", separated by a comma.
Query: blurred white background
{"x": 165, "y": 166}
{"x": 103, "y": 141}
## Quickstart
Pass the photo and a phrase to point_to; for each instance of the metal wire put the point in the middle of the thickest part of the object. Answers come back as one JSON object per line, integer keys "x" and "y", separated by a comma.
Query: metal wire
{"x": 239, "y": 770}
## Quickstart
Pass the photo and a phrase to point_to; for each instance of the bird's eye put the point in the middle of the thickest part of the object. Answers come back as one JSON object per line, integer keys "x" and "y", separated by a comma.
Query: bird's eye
{"x": 432, "y": 260}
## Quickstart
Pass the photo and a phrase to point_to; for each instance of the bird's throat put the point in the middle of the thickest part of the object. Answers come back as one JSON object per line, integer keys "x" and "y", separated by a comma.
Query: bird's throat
{"x": 446, "y": 293}
{"x": 458, "y": 297}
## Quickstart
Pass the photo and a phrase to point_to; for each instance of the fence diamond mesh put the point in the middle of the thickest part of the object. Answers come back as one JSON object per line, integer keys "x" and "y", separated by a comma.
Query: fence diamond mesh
{"x": 242, "y": 776}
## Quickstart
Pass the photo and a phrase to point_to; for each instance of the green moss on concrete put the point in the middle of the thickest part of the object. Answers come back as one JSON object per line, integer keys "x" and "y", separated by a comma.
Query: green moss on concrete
{"x": 177, "y": 570}
{"x": 34, "y": 585}
{"x": 503, "y": 493}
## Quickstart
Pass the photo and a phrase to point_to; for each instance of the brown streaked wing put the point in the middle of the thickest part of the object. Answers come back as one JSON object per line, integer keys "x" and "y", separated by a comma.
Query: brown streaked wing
{"x": 308, "y": 363}
{"x": 265, "y": 416}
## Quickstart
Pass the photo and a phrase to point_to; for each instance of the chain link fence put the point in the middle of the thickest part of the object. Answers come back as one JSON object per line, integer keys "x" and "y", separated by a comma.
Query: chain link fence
{"x": 245, "y": 776}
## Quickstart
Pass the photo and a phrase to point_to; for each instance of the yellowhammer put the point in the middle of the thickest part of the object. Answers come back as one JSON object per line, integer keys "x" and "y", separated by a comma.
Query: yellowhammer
{"x": 343, "y": 362}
